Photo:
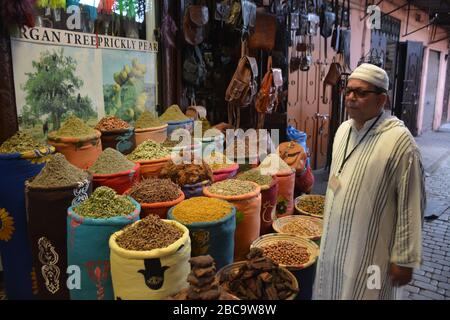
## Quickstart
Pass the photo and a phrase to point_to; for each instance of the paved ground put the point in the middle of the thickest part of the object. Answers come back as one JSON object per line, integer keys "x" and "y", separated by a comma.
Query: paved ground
{"x": 432, "y": 280}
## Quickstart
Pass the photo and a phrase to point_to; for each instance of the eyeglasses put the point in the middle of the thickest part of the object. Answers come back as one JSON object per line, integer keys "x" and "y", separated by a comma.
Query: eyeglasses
{"x": 359, "y": 93}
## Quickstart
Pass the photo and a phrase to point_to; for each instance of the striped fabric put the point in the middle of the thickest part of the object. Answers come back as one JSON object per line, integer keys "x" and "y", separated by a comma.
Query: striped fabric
{"x": 375, "y": 217}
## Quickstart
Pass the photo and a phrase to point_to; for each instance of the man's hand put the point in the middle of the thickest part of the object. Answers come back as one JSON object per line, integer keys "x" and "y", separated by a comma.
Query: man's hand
{"x": 400, "y": 276}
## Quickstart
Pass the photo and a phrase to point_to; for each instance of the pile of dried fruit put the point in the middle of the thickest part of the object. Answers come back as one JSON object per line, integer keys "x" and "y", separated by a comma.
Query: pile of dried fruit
{"x": 183, "y": 174}
{"x": 258, "y": 279}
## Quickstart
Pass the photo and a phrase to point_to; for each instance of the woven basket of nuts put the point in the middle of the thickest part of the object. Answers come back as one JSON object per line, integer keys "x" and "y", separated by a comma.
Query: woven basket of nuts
{"x": 289, "y": 251}
{"x": 303, "y": 226}
{"x": 310, "y": 205}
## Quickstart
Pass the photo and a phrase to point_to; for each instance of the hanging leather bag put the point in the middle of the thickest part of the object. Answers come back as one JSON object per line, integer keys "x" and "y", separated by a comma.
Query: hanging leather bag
{"x": 332, "y": 78}
{"x": 265, "y": 31}
{"x": 195, "y": 18}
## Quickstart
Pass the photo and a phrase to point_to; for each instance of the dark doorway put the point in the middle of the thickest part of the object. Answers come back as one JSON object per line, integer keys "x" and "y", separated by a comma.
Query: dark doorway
{"x": 408, "y": 83}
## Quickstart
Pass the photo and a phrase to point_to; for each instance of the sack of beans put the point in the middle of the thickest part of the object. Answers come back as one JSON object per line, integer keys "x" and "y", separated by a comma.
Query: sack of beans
{"x": 21, "y": 158}
{"x": 190, "y": 177}
{"x": 222, "y": 167}
{"x": 156, "y": 196}
{"x": 112, "y": 169}
{"x": 89, "y": 226}
{"x": 79, "y": 143}
{"x": 151, "y": 156}
{"x": 150, "y": 259}
{"x": 246, "y": 197}
{"x": 285, "y": 176}
{"x": 211, "y": 223}
{"x": 149, "y": 127}
{"x": 116, "y": 134}
{"x": 58, "y": 186}
{"x": 269, "y": 192}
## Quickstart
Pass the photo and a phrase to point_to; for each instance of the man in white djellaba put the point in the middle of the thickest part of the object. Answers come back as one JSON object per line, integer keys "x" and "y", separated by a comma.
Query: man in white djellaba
{"x": 375, "y": 199}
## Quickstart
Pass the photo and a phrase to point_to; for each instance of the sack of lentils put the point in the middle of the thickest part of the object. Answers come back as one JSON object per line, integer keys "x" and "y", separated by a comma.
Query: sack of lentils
{"x": 211, "y": 223}
{"x": 156, "y": 196}
{"x": 116, "y": 134}
{"x": 21, "y": 158}
{"x": 79, "y": 143}
{"x": 285, "y": 176}
{"x": 58, "y": 186}
{"x": 148, "y": 127}
{"x": 269, "y": 191}
{"x": 246, "y": 197}
{"x": 151, "y": 156}
{"x": 150, "y": 259}
{"x": 222, "y": 167}
{"x": 176, "y": 119}
{"x": 89, "y": 226}
{"x": 114, "y": 170}
{"x": 190, "y": 177}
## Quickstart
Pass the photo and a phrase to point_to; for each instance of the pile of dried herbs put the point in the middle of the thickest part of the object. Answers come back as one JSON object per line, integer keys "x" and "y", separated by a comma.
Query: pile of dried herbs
{"x": 149, "y": 150}
{"x": 148, "y": 234}
{"x": 147, "y": 120}
{"x": 173, "y": 113}
{"x": 74, "y": 127}
{"x": 154, "y": 190}
{"x": 58, "y": 172}
{"x": 105, "y": 203}
{"x": 20, "y": 142}
{"x": 232, "y": 187}
{"x": 111, "y": 161}
{"x": 255, "y": 175}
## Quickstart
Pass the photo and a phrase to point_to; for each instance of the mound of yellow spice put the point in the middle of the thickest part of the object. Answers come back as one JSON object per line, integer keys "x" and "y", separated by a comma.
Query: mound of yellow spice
{"x": 201, "y": 209}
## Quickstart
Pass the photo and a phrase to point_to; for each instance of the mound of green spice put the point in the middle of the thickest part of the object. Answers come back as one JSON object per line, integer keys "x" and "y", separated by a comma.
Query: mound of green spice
{"x": 149, "y": 150}
{"x": 74, "y": 127}
{"x": 147, "y": 120}
{"x": 105, "y": 203}
{"x": 255, "y": 175}
{"x": 20, "y": 142}
{"x": 58, "y": 172}
{"x": 111, "y": 161}
{"x": 231, "y": 187}
{"x": 173, "y": 113}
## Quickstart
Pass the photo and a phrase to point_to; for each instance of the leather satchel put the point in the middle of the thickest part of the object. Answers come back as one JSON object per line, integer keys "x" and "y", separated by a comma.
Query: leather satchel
{"x": 293, "y": 154}
{"x": 265, "y": 31}
{"x": 243, "y": 87}
{"x": 332, "y": 78}
{"x": 195, "y": 18}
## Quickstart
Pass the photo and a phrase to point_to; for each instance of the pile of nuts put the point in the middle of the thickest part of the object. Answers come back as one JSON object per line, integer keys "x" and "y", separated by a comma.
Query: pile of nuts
{"x": 258, "y": 279}
{"x": 286, "y": 253}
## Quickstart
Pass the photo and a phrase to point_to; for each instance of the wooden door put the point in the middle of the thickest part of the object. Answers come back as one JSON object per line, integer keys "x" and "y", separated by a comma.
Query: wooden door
{"x": 408, "y": 83}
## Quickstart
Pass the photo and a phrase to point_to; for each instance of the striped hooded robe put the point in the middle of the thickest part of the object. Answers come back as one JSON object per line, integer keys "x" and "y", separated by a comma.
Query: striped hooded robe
{"x": 375, "y": 217}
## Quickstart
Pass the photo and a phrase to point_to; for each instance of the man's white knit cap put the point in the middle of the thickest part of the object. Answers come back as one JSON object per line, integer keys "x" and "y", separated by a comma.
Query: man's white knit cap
{"x": 372, "y": 74}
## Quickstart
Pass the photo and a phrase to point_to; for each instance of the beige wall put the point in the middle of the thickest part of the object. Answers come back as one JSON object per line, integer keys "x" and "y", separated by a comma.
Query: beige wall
{"x": 361, "y": 45}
